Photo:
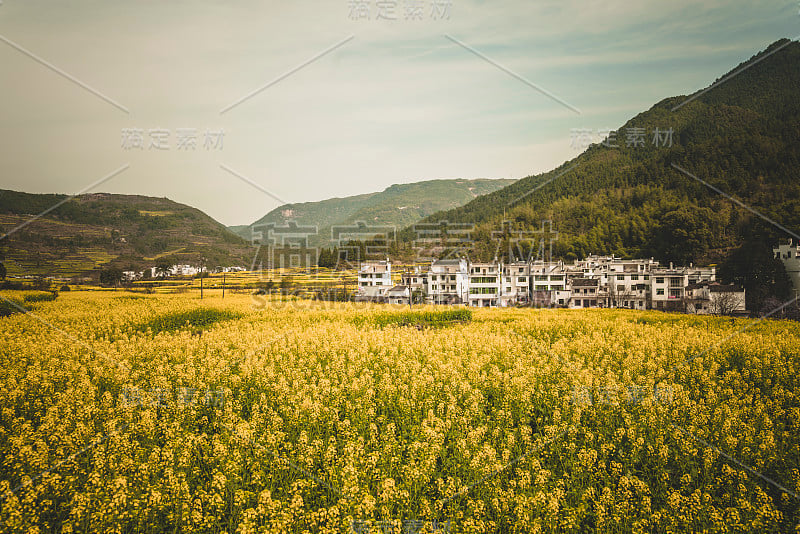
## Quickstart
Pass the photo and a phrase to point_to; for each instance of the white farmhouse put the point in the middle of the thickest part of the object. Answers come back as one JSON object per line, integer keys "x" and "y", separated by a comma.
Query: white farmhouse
{"x": 374, "y": 279}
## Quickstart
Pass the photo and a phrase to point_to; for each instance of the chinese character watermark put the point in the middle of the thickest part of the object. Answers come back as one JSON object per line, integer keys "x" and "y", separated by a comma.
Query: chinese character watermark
{"x": 634, "y": 137}
{"x": 610, "y": 396}
{"x": 406, "y": 526}
{"x": 411, "y": 10}
{"x": 161, "y": 397}
{"x": 160, "y": 139}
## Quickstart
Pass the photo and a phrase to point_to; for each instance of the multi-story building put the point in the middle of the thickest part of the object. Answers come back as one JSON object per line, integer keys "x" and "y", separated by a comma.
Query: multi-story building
{"x": 485, "y": 284}
{"x": 416, "y": 280}
{"x": 548, "y": 284}
{"x": 374, "y": 279}
{"x": 448, "y": 281}
{"x": 515, "y": 283}
{"x": 668, "y": 285}
{"x": 585, "y": 293}
{"x": 627, "y": 289}
{"x": 789, "y": 254}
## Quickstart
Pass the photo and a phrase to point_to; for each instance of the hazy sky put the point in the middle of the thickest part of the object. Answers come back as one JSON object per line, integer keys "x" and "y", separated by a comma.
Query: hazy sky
{"x": 394, "y": 101}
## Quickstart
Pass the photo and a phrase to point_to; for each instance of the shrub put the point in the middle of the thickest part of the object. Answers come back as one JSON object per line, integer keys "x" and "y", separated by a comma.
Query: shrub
{"x": 198, "y": 318}
{"x": 7, "y": 305}
{"x": 423, "y": 319}
{"x": 39, "y": 296}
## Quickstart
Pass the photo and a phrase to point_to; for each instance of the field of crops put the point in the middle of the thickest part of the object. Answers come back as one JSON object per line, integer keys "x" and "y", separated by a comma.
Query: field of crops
{"x": 128, "y": 412}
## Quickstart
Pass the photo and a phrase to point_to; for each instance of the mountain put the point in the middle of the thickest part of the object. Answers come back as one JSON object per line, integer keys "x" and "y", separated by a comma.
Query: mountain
{"x": 398, "y": 205}
{"x": 91, "y": 230}
{"x": 741, "y": 136}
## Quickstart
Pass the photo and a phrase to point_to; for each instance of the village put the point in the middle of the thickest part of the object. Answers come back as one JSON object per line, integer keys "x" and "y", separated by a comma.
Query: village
{"x": 594, "y": 282}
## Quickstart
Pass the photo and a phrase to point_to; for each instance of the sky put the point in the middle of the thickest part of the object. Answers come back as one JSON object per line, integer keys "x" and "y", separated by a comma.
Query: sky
{"x": 238, "y": 107}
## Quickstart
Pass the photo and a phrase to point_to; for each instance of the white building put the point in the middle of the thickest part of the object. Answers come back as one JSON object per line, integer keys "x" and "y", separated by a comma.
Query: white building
{"x": 448, "y": 282}
{"x": 714, "y": 298}
{"x": 416, "y": 280}
{"x": 183, "y": 270}
{"x": 789, "y": 254}
{"x": 585, "y": 293}
{"x": 515, "y": 284}
{"x": 668, "y": 285}
{"x": 374, "y": 278}
{"x": 485, "y": 284}
{"x": 131, "y": 276}
{"x": 398, "y": 294}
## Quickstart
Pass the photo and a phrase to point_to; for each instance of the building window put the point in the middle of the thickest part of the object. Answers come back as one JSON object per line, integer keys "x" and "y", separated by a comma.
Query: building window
{"x": 659, "y": 279}
{"x": 620, "y": 277}
{"x": 660, "y": 291}
{"x": 634, "y": 277}
{"x": 481, "y": 290}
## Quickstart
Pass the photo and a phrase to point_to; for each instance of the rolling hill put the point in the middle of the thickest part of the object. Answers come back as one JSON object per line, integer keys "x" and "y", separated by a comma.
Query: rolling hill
{"x": 398, "y": 205}
{"x": 655, "y": 198}
{"x": 91, "y": 230}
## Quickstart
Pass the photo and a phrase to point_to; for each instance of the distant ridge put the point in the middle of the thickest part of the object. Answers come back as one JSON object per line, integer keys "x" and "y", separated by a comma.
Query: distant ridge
{"x": 92, "y": 230}
{"x": 398, "y": 205}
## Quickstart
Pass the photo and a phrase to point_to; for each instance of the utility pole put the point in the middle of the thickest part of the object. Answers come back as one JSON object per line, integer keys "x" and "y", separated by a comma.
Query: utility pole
{"x": 223, "y": 284}
{"x": 410, "y": 290}
{"x": 202, "y": 264}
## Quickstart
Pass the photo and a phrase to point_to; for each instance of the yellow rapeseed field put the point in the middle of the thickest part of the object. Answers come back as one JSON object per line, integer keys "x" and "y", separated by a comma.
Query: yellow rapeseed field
{"x": 127, "y": 412}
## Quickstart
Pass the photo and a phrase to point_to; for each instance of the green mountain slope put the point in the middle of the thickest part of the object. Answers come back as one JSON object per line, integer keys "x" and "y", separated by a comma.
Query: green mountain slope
{"x": 398, "y": 205}
{"x": 742, "y": 137}
{"x": 91, "y": 230}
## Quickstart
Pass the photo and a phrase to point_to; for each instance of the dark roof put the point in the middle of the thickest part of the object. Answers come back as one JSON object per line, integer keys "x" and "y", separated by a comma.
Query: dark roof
{"x": 585, "y": 281}
{"x": 697, "y": 286}
{"x": 721, "y": 288}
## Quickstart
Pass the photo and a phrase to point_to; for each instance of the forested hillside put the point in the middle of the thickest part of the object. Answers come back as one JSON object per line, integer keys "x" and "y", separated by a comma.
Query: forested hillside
{"x": 398, "y": 205}
{"x": 742, "y": 137}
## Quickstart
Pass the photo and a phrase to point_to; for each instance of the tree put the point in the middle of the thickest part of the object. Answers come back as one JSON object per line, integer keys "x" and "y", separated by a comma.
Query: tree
{"x": 683, "y": 234}
{"x": 417, "y": 296}
{"x": 2, "y": 272}
{"x": 110, "y": 276}
{"x": 326, "y": 259}
{"x": 754, "y": 267}
{"x": 286, "y": 284}
{"x": 163, "y": 268}
{"x": 724, "y": 303}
